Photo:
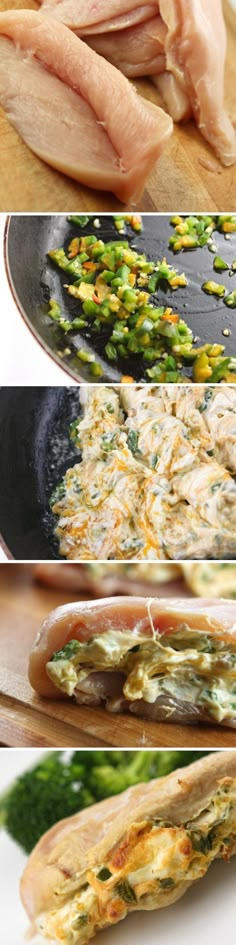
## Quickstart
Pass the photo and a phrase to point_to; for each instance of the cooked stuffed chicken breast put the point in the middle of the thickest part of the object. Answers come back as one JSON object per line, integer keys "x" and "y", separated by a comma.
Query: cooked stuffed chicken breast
{"x": 154, "y": 481}
{"x": 140, "y": 850}
{"x": 111, "y": 578}
{"x": 162, "y": 659}
{"x": 216, "y": 579}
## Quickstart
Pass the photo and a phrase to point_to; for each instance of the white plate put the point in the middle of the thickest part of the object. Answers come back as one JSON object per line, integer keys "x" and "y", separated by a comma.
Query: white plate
{"x": 205, "y": 915}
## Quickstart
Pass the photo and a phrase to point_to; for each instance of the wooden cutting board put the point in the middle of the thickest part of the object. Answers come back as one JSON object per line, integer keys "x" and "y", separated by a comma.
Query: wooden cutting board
{"x": 187, "y": 178}
{"x": 27, "y": 721}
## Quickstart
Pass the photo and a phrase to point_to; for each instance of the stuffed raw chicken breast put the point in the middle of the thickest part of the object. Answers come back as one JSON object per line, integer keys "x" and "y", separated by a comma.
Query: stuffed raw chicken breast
{"x": 161, "y": 659}
{"x": 156, "y": 485}
{"x": 140, "y": 850}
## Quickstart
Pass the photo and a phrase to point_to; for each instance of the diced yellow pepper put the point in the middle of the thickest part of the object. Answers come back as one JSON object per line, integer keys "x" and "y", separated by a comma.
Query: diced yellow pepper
{"x": 83, "y": 291}
{"x": 230, "y": 378}
{"x": 178, "y": 280}
{"x": 132, "y": 279}
{"x": 188, "y": 241}
{"x": 73, "y": 248}
{"x": 228, "y": 227}
{"x": 216, "y": 350}
{"x": 140, "y": 321}
{"x": 201, "y": 369}
{"x": 182, "y": 228}
{"x": 176, "y": 220}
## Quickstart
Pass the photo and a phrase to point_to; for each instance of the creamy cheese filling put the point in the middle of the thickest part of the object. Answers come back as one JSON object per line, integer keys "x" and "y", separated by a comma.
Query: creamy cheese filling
{"x": 144, "y": 869}
{"x": 187, "y": 665}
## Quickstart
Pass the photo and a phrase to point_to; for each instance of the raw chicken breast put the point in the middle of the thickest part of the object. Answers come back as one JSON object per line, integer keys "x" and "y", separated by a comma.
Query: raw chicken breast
{"x": 191, "y": 63}
{"x": 157, "y": 658}
{"x": 74, "y": 109}
{"x": 83, "y": 620}
{"x": 137, "y": 51}
{"x": 90, "y": 17}
{"x": 195, "y": 56}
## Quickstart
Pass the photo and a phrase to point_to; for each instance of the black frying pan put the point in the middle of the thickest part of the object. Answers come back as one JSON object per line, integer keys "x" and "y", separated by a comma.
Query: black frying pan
{"x": 35, "y": 452}
{"x": 33, "y": 279}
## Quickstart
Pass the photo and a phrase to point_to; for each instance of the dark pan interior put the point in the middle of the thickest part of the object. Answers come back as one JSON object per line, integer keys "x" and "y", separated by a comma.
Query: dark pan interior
{"x": 34, "y": 279}
{"x": 35, "y": 452}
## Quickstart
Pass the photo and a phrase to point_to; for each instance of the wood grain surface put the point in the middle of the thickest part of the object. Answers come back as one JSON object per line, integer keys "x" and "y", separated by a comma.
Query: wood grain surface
{"x": 27, "y": 721}
{"x": 187, "y": 178}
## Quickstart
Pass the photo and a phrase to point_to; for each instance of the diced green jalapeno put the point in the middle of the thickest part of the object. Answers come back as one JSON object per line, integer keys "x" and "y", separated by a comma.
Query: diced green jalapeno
{"x": 219, "y": 264}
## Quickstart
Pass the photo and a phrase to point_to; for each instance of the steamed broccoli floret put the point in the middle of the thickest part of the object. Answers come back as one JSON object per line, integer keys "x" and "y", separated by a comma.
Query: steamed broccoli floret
{"x": 52, "y": 790}
{"x": 139, "y": 766}
{"x": 61, "y": 785}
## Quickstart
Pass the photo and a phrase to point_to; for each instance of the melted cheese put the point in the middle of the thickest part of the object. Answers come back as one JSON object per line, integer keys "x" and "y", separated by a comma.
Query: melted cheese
{"x": 144, "y": 868}
{"x": 190, "y": 666}
{"x": 150, "y": 487}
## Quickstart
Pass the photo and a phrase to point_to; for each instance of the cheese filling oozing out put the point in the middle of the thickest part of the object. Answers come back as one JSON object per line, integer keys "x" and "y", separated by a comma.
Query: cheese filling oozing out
{"x": 188, "y": 665}
{"x": 145, "y": 867}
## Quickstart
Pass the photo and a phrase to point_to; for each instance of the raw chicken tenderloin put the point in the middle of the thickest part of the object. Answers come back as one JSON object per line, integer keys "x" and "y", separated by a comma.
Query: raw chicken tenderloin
{"x": 90, "y": 17}
{"x": 136, "y": 51}
{"x": 74, "y": 109}
{"x": 81, "y": 621}
{"x": 195, "y": 54}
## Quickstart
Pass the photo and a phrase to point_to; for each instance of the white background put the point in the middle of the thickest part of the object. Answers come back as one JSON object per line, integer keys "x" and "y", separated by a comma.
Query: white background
{"x": 205, "y": 915}
{"x": 22, "y": 360}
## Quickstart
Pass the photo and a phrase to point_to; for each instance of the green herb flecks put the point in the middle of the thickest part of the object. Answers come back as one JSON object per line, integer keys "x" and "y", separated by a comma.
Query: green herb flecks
{"x": 58, "y": 493}
{"x": 69, "y": 650}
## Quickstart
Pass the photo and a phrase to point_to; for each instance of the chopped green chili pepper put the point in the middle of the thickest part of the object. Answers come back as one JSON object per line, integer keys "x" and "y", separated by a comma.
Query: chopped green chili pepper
{"x": 104, "y": 874}
{"x": 85, "y": 356}
{"x": 80, "y": 221}
{"x": 220, "y": 371}
{"x": 58, "y": 493}
{"x": 125, "y": 891}
{"x": 113, "y": 282}
{"x": 219, "y": 265}
{"x": 108, "y": 441}
{"x": 111, "y": 352}
{"x": 230, "y": 300}
{"x": 80, "y": 921}
{"x": 200, "y": 843}
{"x": 96, "y": 369}
{"x": 166, "y": 883}
{"x": 132, "y": 441}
